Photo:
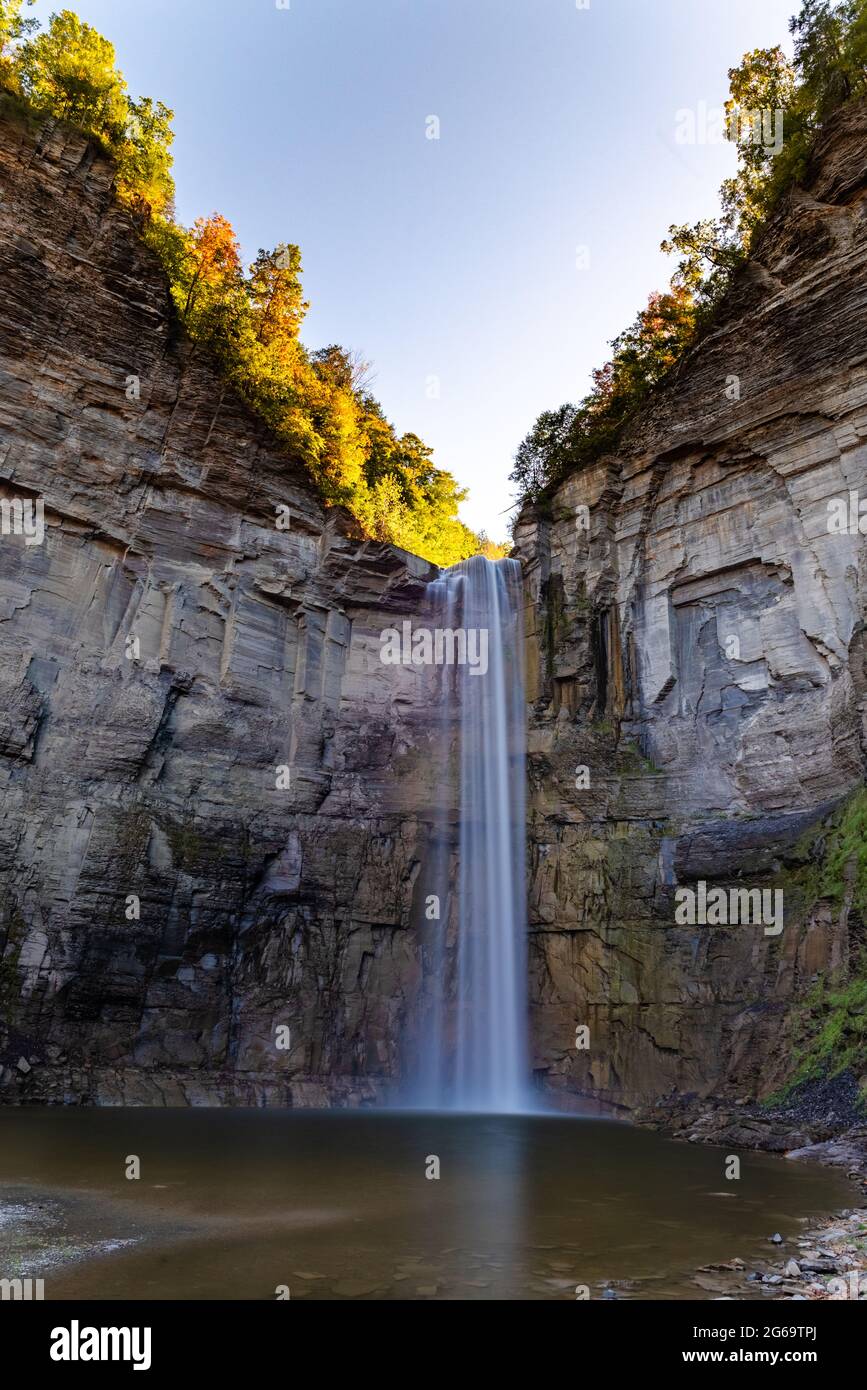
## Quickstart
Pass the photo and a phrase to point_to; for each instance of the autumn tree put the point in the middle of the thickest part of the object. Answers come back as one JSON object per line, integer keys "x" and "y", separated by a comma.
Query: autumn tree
{"x": 492, "y": 550}
{"x": 347, "y": 368}
{"x": 319, "y": 405}
{"x": 13, "y": 26}
{"x": 211, "y": 269}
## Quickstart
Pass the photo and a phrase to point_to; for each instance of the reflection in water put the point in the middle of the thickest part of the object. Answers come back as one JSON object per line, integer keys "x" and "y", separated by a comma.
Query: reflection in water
{"x": 234, "y": 1203}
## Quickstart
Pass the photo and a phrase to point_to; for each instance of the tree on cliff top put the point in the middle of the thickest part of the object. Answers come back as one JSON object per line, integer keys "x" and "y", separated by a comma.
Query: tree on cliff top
{"x": 318, "y": 404}
{"x": 69, "y": 71}
{"x": 830, "y": 54}
{"x": 830, "y": 68}
{"x": 13, "y": 27}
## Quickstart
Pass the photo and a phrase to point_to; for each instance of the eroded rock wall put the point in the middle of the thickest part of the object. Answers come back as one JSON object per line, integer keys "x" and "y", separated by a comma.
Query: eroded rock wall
{"x": 700, "y": 650}
{"x": 164, "y": 906}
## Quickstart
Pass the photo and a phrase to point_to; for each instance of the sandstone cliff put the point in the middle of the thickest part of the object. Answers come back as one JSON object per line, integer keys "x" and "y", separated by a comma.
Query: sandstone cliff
{"x": 701, "y": 651}
{"x": 165, "y": 906}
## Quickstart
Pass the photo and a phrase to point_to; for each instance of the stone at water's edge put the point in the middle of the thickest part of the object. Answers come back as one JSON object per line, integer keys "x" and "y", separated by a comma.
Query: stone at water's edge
{"x": 701, "y": 651}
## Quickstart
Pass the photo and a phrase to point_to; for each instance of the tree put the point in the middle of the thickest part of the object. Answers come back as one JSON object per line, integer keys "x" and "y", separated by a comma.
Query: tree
{"x": 709, "y": 254}
{"x": 213, "y": 262}
{"x": 319, "y": 405}
{"x": 13, "y": 25}
{"x": 276, "y": 297}
{"x": 830, "y": 54}
{"x": 144, "y": 161}
{"x": 492, "y": 550}
{"x": 546, "y": 453}
{"x": 647, "y": 350}
{"x": 347, "y": 368}
{"x": 69, "y": 71}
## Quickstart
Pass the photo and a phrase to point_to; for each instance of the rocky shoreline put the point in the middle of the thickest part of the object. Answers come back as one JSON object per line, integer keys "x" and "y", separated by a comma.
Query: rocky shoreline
{"x": 829, "y": 1263}
{"x": 822, "y": 1122}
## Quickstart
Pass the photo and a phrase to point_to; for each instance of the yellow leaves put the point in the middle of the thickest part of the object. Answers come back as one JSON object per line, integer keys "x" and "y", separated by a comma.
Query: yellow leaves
{"x": 215, "y": 249}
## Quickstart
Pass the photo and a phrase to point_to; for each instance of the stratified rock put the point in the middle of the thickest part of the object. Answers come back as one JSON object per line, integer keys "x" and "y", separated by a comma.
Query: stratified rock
{"x": 166, "y": 905}
{"x": 700, "y": 654}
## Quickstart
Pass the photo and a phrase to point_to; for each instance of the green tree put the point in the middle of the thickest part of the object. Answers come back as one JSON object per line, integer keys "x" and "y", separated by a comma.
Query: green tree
{"x": 144, "y": 160}
{"x": 709, "y": 254}
{"x": 830, "y": 54}
{"x": 70, "y": 72}
{"x": 547, "y": 452}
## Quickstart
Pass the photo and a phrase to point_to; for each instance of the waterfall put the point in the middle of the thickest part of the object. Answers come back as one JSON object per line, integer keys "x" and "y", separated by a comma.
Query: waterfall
{"x": 472, "y": 1046}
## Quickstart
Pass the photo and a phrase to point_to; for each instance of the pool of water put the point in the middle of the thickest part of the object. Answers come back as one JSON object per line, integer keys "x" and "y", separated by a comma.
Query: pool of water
{"x": 236, "y": 1204}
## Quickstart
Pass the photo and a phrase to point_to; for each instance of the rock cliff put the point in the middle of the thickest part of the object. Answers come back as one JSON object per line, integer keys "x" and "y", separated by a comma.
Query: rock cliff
{"x": 168, "y": 903}
{"x": 696, "y": 682}
{"x": 696, "y": 642}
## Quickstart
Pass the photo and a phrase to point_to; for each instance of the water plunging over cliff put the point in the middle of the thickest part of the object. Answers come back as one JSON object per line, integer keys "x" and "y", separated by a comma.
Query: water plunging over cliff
{"x": 473, "y": 1045}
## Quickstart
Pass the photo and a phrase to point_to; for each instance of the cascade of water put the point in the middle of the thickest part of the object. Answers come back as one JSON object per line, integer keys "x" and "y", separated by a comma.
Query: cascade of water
{"x": 473, "y": 1050}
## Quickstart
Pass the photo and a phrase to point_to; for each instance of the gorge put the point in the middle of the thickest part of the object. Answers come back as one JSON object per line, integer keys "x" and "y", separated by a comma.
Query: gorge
{"x": 168, "y": 904}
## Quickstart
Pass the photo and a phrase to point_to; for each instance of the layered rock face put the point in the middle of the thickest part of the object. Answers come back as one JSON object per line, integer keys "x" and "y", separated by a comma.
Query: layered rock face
{"x": 221, "y": 814}
{"x": 172, "y": 657}
{"x": 696, "y": 643}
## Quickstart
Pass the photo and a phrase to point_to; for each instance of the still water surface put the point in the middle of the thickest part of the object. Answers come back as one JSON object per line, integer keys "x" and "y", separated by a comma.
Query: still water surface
{"x": 232, "y": 1204}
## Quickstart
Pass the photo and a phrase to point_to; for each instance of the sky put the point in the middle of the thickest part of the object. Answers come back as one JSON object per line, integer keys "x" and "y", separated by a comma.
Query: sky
{"x": 484, "y": 272}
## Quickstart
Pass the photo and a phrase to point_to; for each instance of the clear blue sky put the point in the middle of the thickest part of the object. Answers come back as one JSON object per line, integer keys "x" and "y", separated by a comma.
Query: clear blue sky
{"x": 453, "y": 258}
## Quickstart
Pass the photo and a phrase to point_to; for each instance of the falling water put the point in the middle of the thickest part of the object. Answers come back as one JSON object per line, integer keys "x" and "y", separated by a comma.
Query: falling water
{"x": 473, "y": 1053}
